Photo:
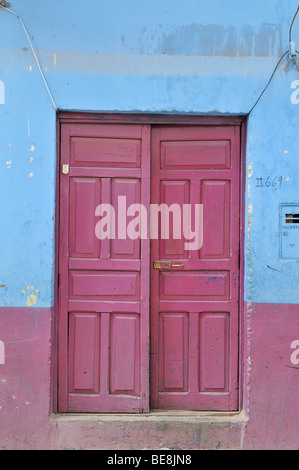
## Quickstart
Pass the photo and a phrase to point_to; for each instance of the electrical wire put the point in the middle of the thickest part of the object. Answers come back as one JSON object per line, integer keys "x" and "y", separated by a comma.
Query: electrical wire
{"x": 269, "y": 81}
{"x": 278, "y": 63}
{"x": 43, "y": 77}
{"x": 33, "y": 51}
{"x": 290, "y": 30}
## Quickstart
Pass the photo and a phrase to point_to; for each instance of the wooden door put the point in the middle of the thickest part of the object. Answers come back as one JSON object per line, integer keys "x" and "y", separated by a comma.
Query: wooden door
{"x": 195, "y": 293}
{"x": 104, "y": 288}
{"x": 107, "y": 329}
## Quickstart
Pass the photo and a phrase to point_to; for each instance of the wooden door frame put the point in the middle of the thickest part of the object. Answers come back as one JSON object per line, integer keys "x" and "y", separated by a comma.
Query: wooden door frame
{"x": 150, "y": 119}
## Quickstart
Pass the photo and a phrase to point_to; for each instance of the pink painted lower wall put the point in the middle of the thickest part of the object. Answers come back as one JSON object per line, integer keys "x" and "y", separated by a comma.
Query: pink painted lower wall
{"x": 25, "y": 377}
{"x": 271, "y": 383}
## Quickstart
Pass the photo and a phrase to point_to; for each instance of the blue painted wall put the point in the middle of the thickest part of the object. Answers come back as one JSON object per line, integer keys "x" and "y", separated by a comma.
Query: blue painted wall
{"x": 187, "y": 56}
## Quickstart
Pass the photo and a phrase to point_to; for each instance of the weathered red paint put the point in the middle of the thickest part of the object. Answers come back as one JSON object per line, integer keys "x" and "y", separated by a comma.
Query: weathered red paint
{"x": 153, "y": 119}
{"x": 194, "y": 307}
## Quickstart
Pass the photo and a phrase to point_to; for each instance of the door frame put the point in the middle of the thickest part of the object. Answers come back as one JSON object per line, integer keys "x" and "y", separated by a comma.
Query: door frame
{"x": 150, "y": 119}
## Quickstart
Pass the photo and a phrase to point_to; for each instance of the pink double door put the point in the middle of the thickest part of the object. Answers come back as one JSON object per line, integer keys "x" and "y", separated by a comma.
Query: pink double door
{"x": 148, "y": 323}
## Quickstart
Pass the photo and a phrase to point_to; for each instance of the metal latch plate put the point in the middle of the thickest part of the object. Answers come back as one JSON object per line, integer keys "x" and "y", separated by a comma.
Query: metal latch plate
{"x": 162, "y": 264}
{"x": 65, "y": 169}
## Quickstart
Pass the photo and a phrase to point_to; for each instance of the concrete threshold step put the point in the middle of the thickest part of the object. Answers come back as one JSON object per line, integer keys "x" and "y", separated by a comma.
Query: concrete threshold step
{"x": 155, "y": 430}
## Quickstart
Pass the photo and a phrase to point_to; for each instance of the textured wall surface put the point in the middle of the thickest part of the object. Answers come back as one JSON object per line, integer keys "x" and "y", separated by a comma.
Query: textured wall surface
{"x": 191, "y": 57}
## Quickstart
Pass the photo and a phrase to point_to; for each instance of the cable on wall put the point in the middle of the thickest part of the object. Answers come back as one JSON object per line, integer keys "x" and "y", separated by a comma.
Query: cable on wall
{"x": 292, "y": 56}
{"x": 3, "y": 6}
{"x": 292, "y": 43}
{"x": 269, "y": 81}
